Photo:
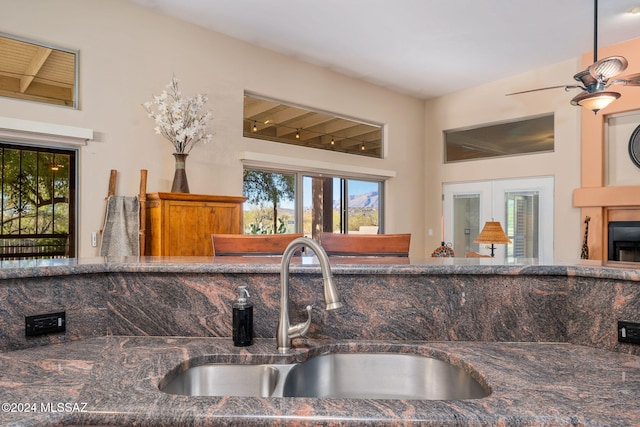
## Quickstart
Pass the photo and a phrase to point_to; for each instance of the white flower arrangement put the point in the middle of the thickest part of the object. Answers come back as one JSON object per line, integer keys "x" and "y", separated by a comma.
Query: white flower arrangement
{"x": 179, "y": 119}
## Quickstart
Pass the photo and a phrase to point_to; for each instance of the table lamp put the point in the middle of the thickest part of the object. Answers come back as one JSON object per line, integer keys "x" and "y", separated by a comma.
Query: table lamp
{"x": 492, "y": 234}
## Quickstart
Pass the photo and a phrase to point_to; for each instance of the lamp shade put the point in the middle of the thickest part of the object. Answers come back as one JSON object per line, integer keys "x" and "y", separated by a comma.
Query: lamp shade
{"x": 492, "y": 233}
{"x": 595, "y": 101}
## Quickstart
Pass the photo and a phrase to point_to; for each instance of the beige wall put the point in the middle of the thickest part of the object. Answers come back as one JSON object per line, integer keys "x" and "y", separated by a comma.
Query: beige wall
{"x": 128, "y": 53}
{"x": 488, "y": 104}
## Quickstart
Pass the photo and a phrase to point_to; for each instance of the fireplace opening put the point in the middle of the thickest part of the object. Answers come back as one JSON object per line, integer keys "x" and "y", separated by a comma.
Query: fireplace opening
{"x": 624, "y": 241}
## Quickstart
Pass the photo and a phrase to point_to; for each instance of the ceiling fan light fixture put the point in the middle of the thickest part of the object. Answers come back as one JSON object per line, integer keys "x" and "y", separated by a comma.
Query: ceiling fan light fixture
{"x": 595, "y": 101}
{"x": 595, "y": 78}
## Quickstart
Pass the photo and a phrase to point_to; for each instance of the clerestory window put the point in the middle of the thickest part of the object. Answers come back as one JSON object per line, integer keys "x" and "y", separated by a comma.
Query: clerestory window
{"x": 277, "y": 121}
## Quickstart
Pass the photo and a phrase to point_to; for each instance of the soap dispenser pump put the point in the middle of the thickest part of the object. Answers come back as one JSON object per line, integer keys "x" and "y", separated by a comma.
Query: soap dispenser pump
{"x": 242, "y": 319}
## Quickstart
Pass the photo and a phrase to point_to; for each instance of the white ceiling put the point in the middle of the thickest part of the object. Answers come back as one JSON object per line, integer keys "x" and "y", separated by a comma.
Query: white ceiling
{"x": 425, "y": 48}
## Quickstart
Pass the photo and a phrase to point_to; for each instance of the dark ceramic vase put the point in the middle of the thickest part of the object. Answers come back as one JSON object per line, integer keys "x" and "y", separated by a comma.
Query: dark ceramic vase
{"x": 180, "y": 184}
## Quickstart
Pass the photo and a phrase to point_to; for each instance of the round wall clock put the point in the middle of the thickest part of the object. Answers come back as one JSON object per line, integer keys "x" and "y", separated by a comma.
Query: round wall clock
{"x": 634, "y": 147}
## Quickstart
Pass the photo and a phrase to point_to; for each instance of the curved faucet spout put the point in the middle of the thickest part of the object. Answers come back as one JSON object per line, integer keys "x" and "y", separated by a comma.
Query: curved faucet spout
{"x": 285, "y": 331}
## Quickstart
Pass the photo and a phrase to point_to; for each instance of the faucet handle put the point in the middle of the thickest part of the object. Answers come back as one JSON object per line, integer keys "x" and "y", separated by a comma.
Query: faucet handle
{"x": 301, "y": 329}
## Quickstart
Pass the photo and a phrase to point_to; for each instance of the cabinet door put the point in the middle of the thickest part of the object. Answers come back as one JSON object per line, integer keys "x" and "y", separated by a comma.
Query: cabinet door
{"x": 189, "y": 225}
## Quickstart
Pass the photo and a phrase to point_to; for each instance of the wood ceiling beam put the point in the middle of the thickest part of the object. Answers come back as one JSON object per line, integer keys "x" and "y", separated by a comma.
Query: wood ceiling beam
{"x": 37, "y": 92}
{"x": 254, "y": 107}
{"x": 313, "y": 122}
{"x": 9, "y": 84}
{"x": 38, "y": 60}
{"x": 339, "y": 129}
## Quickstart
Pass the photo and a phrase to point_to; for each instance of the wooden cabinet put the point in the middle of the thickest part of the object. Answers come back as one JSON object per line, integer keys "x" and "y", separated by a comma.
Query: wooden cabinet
{"x": 181, "y": 224}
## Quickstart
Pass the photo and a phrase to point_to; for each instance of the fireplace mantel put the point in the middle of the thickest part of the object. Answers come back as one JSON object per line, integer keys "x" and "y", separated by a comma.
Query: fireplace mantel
{"x": 607, "y": 197}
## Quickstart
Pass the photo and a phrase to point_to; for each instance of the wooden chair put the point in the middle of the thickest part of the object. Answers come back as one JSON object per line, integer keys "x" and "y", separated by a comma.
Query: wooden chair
{"x": 251, "y": 244}
{"x": 366, "y": 245}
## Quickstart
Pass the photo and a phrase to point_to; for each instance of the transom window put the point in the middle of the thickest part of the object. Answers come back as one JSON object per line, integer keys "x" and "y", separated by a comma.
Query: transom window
{"x": 523, "y": 136}
{"x": 290, "y": 124}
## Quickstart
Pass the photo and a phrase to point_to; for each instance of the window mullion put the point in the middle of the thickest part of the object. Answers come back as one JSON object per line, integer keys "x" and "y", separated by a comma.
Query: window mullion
{"x": 2, "y": 191}
{"x": 344, "y": 206}
{"x": 37, "y": 198}
{"x": 20, "y": 194}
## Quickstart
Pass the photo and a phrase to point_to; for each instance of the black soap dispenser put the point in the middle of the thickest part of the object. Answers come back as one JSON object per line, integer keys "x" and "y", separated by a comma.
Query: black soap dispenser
{"x": 242, "y": 319}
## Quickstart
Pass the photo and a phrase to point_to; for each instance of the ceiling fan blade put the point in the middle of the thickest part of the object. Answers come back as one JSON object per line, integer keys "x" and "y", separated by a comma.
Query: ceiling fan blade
{"x": 566, "y": 87}
{"x": 585, "y": 78}
{"x": 628, "y": 80}
{"x": 606, "y": 68}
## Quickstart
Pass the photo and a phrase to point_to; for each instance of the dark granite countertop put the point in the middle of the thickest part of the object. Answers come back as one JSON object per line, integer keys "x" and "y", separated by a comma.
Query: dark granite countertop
{"x": 114, "y": 381}
{"x": 347, "y": 265}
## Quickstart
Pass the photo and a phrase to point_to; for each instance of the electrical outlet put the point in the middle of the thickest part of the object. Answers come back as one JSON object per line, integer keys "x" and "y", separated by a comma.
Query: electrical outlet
{"x": 41, "y": 324}
{"x": 629, "y": 332}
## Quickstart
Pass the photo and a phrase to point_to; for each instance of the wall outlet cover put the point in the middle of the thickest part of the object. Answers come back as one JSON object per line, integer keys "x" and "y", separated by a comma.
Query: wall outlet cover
{"x": 41, "y": 324}
{"x": 629, "y": 332}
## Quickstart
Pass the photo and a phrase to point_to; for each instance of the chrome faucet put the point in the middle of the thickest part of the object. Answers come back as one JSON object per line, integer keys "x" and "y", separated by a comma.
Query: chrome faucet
{"x": 285, "y": 331}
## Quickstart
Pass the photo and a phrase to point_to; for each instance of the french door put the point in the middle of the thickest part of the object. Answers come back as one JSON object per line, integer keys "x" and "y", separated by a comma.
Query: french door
{"x": 524, "y": 208}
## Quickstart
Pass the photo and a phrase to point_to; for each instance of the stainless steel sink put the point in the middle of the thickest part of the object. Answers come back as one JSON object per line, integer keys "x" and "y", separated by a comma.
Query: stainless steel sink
{"x": 381, "y": 376}
{"x": 225, "y": 380}
{"x": 336, "y": 375}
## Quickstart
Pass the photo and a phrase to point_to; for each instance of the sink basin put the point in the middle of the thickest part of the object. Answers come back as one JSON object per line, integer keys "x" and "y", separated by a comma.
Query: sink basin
{"x": 225, "y": 380}
{"x": 334, "y": 375}
{"x": 381, "y": 376}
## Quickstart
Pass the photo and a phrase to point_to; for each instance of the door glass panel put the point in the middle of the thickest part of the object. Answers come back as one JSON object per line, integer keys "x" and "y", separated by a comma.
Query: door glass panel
{"x": 362, "y": 206}
{"x": 522, "y": 224}
{"x": 466, "y": 222}
{"x": 37, "y": 202}
{"x": 465, "y": 207}
{"x": 320, "y": 205}
{"x": 270, "y": 206}
{"x": 327, "y": 209}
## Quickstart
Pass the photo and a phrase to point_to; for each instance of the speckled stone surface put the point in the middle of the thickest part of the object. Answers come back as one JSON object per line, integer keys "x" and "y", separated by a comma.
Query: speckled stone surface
{"x": 440, "y": 299}
{"x": 376, "y": 306}
{"x": 542, "y": 337}
{"x": 483, "y": 266}
{"x": 114, "y": 381}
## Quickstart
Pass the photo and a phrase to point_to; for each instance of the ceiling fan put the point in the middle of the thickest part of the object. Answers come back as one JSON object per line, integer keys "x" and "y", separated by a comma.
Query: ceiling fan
{"x": 596, "y": 78}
